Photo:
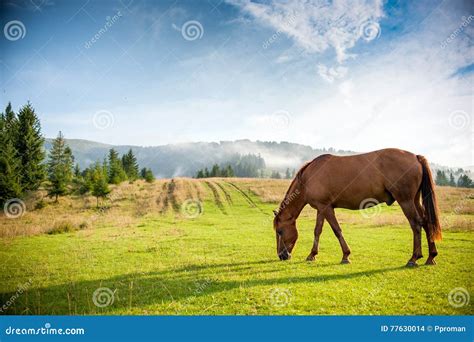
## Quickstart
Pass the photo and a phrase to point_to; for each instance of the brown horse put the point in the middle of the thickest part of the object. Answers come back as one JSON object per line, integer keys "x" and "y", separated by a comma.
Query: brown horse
{"x": 330, "y": 182}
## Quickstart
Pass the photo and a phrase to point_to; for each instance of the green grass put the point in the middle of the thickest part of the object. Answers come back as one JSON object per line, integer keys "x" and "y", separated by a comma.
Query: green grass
{"x": 224, "y": 262}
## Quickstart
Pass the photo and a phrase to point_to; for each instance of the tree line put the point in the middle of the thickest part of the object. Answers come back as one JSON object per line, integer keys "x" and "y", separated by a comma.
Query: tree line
{"x": 463, "y": 180}
{"x": 23, "y": 167}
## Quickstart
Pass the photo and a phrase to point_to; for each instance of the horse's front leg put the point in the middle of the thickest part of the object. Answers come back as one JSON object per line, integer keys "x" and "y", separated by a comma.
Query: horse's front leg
{"x": 318, "y": 229}
{"x": 331, "y": 217}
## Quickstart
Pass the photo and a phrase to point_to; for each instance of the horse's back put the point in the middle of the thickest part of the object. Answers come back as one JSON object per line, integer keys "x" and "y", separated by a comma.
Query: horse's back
{"x": 345, "y": 181}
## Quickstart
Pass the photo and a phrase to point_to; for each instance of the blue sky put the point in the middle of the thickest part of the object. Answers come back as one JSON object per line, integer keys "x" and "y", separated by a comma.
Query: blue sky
{"x": 357, "y": 75}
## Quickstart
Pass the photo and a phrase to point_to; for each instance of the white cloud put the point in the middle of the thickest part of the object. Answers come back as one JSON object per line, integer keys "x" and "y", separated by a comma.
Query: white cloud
{"x": 332, "y": 73}
{"x": 319, "y": 25}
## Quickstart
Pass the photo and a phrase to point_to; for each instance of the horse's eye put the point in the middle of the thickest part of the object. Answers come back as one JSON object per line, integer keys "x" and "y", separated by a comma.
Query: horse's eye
{"x": 280, "y": 232}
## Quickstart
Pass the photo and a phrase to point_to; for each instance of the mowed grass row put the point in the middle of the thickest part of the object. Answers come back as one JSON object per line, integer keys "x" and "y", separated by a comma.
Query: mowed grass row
{"x": 224, "y": 261}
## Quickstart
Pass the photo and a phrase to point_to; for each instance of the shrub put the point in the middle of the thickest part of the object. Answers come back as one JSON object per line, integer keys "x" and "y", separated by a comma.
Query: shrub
{"x": 62, "y": 227}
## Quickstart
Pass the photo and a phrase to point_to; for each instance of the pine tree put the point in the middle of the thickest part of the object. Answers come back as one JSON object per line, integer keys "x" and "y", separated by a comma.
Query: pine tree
{"x": 77, "y": 171}
{"x": 115, "y": 170}
{"x": 100, "y": 186}
{"x": 452, "y": 182}
{"x": 276, "y": 175}
{"x": 148, "y": 175}
{"x": 465, "y": 182}
{"x": 10, "y": 186}
{"x": 130, "y": 165}
{"x": 60, "y": 167}
{"x": 287, "y": 174}
{"x": 215, "y": 171}
{"x": 11, "y": 123}
{"x": 229, "y": 171}
{"x": 29, "y": 144}
{"x": 86, "y": 182}
{"x": 441, "y": 178}
{"x": 200, "y": 174}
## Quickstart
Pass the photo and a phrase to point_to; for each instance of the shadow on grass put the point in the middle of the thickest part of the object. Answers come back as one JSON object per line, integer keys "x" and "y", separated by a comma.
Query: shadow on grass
{"x": 136, "y": 291}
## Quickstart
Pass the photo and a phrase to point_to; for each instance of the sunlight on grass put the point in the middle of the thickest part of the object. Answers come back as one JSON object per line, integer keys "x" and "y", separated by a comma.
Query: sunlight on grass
{"x": 157, "y": 261}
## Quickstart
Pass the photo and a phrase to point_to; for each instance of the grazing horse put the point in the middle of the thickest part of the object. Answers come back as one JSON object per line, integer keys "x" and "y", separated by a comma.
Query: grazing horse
{"x": 330, "y": 182}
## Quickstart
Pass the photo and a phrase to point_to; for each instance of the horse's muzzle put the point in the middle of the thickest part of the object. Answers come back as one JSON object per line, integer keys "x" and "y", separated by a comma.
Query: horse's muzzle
{"x": 284, "y": 255}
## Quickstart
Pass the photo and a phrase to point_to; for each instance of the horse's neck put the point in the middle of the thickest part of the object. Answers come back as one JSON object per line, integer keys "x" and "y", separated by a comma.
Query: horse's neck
{"x": 294, "y": 202}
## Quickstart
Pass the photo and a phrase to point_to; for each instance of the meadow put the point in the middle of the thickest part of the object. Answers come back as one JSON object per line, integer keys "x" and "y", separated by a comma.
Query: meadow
{"x": 207, "y": 247}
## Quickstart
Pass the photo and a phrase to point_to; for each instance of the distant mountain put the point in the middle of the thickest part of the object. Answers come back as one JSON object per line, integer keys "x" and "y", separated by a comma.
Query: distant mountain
{"x": 186, "y": 158}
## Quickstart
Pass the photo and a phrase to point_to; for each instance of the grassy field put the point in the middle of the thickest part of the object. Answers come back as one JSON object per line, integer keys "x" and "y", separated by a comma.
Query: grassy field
{"x": 149, "y": 250}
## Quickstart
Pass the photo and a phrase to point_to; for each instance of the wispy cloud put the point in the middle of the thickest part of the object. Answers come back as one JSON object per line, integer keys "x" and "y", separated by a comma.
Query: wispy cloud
{"x": 319, "y": 25}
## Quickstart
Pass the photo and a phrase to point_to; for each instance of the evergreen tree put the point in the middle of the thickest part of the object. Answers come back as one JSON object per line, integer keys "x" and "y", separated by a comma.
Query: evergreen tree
{"x": 87, "y": 181}
{"x": 130, "y": 165}
{"x": 77, "y": 171}
{"x": 149, "y": 176}
{"x": 29, "y": 145}
{"x": 441, "y": 178}
{"x": 100, "y": 186}
{"x": 229, "y": 171}
{"x": 206, "y": 173}
{"x": 11, "y": 123}
{"x": 287, "y": 174}
{"x": 116, "y": 172}
{"x": 452, "y": 182}
{"x": 200, "y": 174}
{"x": 215, "y": 171}
{"x": 60, "y": 167}
{"x": 465, "y": 182}
{"x": 10, "y": 186}
{"x": 276, "y": 175}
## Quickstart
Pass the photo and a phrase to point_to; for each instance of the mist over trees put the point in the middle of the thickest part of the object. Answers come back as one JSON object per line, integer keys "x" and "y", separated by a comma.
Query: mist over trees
{"x": 456, "y": 178}
{"x": 249, "y": 165}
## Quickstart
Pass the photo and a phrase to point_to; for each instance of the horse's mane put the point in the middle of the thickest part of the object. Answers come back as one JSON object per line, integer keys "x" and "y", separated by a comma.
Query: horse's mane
{"x": 297, "y": 179}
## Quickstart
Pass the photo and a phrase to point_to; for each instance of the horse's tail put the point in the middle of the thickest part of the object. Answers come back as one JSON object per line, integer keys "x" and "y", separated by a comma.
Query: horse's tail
{"x": 429, "y": 201}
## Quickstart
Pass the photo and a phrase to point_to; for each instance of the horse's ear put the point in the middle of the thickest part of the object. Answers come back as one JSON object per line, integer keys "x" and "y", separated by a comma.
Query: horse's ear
{"x": 275, "y": 212}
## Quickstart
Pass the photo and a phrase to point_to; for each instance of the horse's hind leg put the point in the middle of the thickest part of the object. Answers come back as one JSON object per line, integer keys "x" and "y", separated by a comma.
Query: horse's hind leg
{"x": 318, "y": 229}
{"x": 416, "y": 222}
{"x": 431, "y": 245}
{"x": 331, "y": 217}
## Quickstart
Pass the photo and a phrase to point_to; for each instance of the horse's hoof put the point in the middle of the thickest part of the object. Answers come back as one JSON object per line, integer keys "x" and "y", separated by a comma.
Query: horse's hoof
{"x": 345, "y": 261}
{"x": 430, "y": 262}
{"x": 310, "y": 258}
{"x": 411, "y": 264}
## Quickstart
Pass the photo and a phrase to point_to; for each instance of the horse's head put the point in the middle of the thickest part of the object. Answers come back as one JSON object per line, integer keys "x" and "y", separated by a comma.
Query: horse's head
{"x": 286, "y": 235}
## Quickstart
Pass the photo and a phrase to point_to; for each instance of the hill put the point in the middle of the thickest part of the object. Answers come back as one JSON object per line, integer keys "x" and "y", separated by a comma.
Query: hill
{"x": 185, "y": 159}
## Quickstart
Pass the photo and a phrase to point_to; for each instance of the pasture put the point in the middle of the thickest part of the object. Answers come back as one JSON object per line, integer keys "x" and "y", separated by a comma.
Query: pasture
{"x": 149, "y": 249}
